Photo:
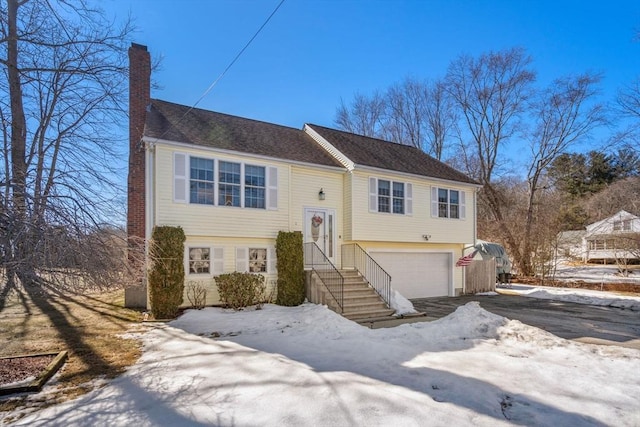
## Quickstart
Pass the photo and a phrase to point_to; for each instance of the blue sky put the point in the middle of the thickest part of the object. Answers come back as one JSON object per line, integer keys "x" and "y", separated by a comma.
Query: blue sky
{"x": 315, "y": 52}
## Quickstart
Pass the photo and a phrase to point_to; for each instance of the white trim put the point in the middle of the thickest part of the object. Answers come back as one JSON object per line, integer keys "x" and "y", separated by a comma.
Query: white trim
{"x": 242, "y": 259}
{"x": 435, "y": 203}
{"x": 407, "y": 197}
{"x": 191, "y": 146}
{"x": 212, "y": 272}
{"x": 269, "y": 190}
{"x": 422, "y": 178}
{"x": 327, "y": 212}
{"x": 329, "y": 148}
{"x": 149, "y": 199}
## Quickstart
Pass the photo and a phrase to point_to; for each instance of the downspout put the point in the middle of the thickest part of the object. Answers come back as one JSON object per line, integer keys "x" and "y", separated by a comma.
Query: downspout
{"x": 150, "y": 208}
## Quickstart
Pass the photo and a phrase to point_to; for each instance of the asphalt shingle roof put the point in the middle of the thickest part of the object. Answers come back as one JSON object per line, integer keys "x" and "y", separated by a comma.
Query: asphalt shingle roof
{"x": 169, "y": 121}
{"x": 382, "y": 154}
{"x": 180, "y": 123}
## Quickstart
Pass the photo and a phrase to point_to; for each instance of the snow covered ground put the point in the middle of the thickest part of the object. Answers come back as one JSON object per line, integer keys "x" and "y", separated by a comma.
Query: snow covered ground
{"x": 595, "y": 273}
{"x": 307, "y": 366}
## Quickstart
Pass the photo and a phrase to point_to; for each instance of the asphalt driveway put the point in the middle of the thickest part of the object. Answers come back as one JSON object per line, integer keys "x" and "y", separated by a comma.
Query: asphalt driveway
{"x": 578, "y": 322}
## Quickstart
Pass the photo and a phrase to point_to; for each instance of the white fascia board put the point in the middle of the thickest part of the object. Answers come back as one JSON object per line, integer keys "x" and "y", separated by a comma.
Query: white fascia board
{"x": 373, "y": 169}
{"x": 189, "y": 146}
{"x": 333, "y": 151}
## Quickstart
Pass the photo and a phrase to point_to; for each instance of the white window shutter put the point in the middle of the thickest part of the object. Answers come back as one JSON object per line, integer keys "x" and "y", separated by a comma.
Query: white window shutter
{"x": 373, "y": 194}
{"x": 180, "y": 180}
{"x": 463, "y": 207}
{"x": 272, "y": 188}
{"x": 408, "y": 199}
{"x": 271, "y": 260}
{"x": 434, "y": 202}
{"x": 217, "y": 261}
{"x": 242, "y": 260}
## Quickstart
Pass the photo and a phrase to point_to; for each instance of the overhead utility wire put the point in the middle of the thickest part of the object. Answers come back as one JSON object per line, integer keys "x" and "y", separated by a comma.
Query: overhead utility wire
{"x": 215, "y": 82}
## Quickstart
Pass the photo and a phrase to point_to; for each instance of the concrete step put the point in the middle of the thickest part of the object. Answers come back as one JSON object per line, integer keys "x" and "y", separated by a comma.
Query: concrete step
{"x": 350, "y": 299}
{"x": 349, "y": 306}
{"x": 358, "y": 303}
{"x": 362, "y": 316}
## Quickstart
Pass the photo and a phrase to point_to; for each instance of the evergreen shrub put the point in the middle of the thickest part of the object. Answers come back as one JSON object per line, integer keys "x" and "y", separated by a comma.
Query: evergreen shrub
{"x": 166, "y": 274}
{"x": 290, "y": 264}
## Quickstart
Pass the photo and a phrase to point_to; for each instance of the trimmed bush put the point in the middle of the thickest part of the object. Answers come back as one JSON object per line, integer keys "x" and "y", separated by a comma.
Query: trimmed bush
{"x": 239, "y": 290}
{"x": 290, "y": 263}
{"x": 166, "y": 274}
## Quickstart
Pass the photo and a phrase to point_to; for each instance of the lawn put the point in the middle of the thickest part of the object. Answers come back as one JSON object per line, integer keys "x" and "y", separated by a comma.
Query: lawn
{"x": 89, "y": 327}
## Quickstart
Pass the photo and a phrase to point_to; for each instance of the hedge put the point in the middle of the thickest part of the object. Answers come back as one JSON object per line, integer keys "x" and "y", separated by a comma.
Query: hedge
{"x": 166, "y": 274}
{"x": 290, "y": 264}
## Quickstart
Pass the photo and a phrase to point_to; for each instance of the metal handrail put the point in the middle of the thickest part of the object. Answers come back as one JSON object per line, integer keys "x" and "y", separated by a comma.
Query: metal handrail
{"x": 353, "y": 256}
{"x": 328, "y": 274}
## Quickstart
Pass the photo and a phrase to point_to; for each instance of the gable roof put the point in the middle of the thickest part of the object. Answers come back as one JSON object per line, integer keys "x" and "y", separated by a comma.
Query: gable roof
{"x": 169, "y": 121}
{"x": 183, "y": 124}
{"x": 378, "y": 153}
{"x": 620, "y": 216}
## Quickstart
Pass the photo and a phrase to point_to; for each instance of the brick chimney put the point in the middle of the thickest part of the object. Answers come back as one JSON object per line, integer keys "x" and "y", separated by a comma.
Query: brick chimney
{"x": 139, "y": 99}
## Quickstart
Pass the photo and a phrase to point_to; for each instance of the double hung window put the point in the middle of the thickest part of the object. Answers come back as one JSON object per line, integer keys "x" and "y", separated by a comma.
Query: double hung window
{"x": 447, "y": 203}
{"x": 204, "y": 181}
{"x": 201, "y": 181}
{"x": 388, "y": 196}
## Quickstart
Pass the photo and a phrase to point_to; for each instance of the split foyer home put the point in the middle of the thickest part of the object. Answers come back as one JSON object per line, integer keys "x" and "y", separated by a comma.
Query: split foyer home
{"x": 233, "y": 183}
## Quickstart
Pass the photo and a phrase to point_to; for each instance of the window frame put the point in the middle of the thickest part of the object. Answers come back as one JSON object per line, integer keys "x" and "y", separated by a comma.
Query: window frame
{"x": 215, "y": 260}
{"x": 256, "y": 191}
{"x": 243, "y": 255}
{"x": 198, "y": 180}
{"x": 450, "y": 207}
{"x": 379, "y": 201}
{"x": 231, "y": 185}
{"x": 264, "y": 261}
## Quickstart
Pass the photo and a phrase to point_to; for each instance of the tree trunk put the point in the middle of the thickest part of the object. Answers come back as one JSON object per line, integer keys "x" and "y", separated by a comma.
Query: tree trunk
{"x": 17, "y": 180}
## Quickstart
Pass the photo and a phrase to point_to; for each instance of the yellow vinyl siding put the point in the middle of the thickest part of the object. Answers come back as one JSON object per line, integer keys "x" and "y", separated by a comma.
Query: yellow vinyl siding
{"x": 229, "y": 246}
{"x": 224, "y": 221}
{"x": 376, "y": 226}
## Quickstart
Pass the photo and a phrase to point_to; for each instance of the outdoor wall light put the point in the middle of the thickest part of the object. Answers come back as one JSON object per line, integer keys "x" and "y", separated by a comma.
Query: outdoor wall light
{"x": 426, "y": 237}
{"x": 321, "y": 194}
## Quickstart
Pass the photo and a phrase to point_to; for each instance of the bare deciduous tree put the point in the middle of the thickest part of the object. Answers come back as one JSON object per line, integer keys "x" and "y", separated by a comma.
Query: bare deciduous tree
{"x": 413, "y": 112}
{"x": 491, "y": 93}
{"x": 440, "y": 117}
{"x": 65, "y": 79}
{"x": 364, "y": 117}
{"x": 563, "y": 116}
{"x": 629, "y": 99}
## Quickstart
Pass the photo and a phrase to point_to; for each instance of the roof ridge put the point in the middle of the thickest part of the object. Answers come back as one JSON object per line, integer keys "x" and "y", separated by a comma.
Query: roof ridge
{"x": 232, "y": 116}
{"x": 375, "y": 138}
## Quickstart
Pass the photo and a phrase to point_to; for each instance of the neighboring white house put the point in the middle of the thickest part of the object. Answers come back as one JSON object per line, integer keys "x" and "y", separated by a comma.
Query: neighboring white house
{"x": 613, "y": 238}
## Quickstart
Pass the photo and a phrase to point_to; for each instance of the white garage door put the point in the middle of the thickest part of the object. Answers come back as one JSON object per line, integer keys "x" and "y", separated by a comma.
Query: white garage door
{"x": 417, "y": 274}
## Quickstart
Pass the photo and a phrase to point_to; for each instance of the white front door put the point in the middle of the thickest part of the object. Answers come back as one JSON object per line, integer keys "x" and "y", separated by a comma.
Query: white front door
{"x": 320, "y": 228}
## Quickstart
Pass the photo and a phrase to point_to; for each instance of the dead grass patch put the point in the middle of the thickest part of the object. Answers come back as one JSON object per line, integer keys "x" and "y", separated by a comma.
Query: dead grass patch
{"x": 90, "y": 327}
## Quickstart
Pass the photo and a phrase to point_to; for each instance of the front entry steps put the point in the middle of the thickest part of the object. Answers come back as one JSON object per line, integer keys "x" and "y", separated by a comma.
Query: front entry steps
{"x": 360, "y": 301}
